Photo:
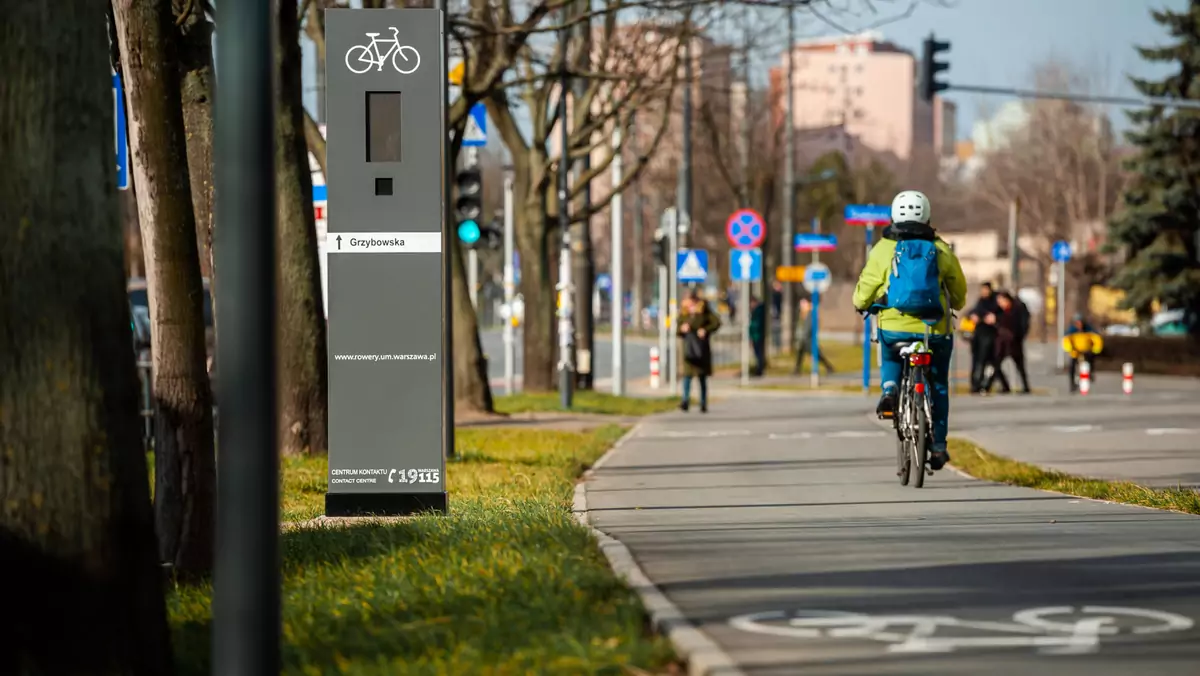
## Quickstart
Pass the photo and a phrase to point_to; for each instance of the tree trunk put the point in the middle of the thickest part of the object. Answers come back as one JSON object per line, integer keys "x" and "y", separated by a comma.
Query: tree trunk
{"x": 472, "y": 391}
{"x": 76, "y": 531}
{"x": 303, "y": 410}
{"x": 537, "y": 290}
{"x": 196, "y": 90}
{"x": 184, "y": 464}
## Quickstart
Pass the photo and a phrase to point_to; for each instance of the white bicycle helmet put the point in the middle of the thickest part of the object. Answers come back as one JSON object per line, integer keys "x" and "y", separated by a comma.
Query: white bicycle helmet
{"x": 911, "y": 206}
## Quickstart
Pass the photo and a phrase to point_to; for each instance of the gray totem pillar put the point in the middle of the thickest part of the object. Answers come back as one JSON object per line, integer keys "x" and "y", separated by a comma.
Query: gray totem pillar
{"x": 386, "y": 245}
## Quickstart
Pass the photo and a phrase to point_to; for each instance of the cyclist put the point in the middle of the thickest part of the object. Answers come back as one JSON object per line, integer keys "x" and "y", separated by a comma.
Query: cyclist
{"x": 926, "y": 281}
{"x": 1081, "y": 339}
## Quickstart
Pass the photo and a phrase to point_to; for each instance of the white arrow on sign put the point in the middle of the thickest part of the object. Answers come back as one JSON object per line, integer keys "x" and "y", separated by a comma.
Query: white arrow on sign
{"x": 747, "y": 263}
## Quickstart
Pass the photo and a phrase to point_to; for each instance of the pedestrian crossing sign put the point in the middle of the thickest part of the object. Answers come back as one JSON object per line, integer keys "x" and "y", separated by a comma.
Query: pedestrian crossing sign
{"x": 691, "y": 266}
{"x": 475, "y": 132}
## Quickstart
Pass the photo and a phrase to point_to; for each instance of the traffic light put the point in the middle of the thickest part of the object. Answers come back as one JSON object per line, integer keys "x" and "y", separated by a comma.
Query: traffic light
{"x": 469, "y": 204}
{"x": 930, "y": 67}
{"x": 493, "y": 235}
{"x": 659, "y": 249}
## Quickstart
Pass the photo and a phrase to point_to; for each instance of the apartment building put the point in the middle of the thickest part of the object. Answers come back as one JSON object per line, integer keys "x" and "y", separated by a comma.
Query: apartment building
{"x": 859, "y": 91}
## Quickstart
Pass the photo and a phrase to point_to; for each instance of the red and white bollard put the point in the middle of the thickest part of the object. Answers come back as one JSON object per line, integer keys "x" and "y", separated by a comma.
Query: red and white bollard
{"x": 1085, "y": 377}
{"x": 1127, "y": 377}
{"x": 654, "y": 379}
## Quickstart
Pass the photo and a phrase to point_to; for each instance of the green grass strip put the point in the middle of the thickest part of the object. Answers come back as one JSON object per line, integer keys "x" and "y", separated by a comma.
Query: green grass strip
{"x": 973, "y": 460}
{"x": 507, "y": 583}
{"x": 585, "y": 401}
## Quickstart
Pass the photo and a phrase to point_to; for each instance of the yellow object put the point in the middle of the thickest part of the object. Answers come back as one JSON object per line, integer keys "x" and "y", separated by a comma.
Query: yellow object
{"x": 456, "y": 73}
{"x": 966, "y": 325}
{"x": 1104, "y": 302}
{"x": 790, "y": 273}
{"x": 1083, "y": 342}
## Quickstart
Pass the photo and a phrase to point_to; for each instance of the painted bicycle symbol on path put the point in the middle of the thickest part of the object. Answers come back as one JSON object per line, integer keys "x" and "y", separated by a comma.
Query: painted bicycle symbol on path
{"x": 1053, "y": 630}
{"x": 360, "y": 58}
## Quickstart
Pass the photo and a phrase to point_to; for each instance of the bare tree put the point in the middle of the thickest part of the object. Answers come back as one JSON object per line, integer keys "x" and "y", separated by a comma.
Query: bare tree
{"x": 196, "y": 82}
{"x": 76, "y": 529}
{"x": 183, "y": 459}
{"x": 1059, "y": 165}
{"x": 300, "y": 339}
{"x": 634, "y": 66}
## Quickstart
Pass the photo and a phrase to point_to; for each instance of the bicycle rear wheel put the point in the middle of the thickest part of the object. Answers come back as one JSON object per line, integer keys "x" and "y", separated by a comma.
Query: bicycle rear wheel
{"x": 919, "y": 438}
{"x": 899, "y": 423}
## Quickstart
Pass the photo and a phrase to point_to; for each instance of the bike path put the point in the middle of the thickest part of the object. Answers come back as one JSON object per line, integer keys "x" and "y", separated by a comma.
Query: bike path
{"x": 784, "y": 505}
{"x": 1151, "y": 437}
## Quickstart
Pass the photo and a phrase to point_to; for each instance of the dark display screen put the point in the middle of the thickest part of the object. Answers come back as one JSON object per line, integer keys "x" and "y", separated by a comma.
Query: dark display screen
{"x": 383, "y": 126}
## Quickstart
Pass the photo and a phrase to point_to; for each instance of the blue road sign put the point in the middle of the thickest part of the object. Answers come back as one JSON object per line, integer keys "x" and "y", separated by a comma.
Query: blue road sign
{"x": 745, "y": 265}
{"x": 867, "y": 214}
{"x": 817, "y": 278}
{"x": 475, "y": 131}
{"x": 1061, "y": 251}
{"x": 604, "y": 281}
{"x": 691, "y": 265}
{"x": 122, "y": 134}
{"x": 815, "y": 242}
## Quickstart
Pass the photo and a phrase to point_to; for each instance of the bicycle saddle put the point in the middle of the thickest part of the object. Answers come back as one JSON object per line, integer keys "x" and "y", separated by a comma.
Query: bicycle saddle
{"x": 370, "y": 35}
{"x": 907, "y": 347}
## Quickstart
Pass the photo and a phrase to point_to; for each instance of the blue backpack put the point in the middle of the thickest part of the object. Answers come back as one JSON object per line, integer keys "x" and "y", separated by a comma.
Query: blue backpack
{"x": 914, "y": 285}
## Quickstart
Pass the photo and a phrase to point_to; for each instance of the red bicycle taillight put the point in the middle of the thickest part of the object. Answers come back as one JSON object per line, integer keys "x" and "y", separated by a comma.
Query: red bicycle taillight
{"x": 919, "y": 388}
{"x": 921, "y": 359}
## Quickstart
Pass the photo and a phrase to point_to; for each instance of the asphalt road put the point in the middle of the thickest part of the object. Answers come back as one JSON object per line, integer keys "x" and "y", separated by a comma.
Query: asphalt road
{"x": 777, "y": 526}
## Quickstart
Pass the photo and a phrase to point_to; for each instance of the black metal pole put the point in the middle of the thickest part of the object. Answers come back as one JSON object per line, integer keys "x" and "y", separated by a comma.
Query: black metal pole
{"x": 447, "y": 251}
{"x": 246, "y": 580}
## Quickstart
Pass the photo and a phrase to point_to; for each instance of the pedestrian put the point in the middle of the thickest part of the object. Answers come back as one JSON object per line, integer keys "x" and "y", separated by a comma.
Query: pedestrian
{"x": 697, "y": 323}
{"x": 804, "y": 340}
{"x": 758, "y": 336}
{"x": 1011, "y": 327}
{"x": 1081, "y": 342}
{"x": 983, "y": 342}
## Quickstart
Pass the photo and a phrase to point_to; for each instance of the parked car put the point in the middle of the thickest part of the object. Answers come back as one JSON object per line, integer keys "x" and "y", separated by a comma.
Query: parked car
{"x": 139, "y": 307}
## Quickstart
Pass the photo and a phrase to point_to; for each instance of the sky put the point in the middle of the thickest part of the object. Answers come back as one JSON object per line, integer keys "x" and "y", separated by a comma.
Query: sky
{"x": 999, "y": 43}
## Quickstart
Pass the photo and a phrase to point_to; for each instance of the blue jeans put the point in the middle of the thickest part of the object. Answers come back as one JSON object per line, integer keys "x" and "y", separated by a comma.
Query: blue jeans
{"x": 687, "y": 389}
{"x": 939, "y": 372}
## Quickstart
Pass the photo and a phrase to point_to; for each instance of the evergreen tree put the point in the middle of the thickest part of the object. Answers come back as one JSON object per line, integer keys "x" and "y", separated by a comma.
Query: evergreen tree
{"x": 1159, "y": 227}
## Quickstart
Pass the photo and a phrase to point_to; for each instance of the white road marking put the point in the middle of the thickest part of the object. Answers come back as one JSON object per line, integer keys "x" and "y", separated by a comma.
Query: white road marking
{"x": 1075, "y": 633}
{"x": 693, "y": 434}
{"x": 855, "y": 434}
{"x": 1075, "y": 428}
{"x": 1163, "y": 431}
{"x": 790, "y": 435}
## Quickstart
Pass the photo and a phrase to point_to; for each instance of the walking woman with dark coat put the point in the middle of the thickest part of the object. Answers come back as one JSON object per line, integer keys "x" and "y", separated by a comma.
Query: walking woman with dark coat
{"x": 697, "y": 323}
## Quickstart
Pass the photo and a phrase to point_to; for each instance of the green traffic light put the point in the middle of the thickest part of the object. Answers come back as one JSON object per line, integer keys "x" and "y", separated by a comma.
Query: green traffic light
{"x": 468, "y": 232}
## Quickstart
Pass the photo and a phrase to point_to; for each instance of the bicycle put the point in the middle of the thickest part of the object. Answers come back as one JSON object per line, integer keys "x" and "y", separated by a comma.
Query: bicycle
{"x": 371, "y": 56}
{"x": 912, "y": 417}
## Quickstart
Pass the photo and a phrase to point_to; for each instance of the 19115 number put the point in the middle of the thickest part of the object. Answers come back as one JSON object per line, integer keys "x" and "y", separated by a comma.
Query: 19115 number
{"x": 415, "y": 476}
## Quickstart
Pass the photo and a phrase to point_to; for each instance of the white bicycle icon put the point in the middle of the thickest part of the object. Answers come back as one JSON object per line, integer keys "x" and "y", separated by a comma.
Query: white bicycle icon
{"x": 1057, "y": 630}
{"x": 360, "y": 58}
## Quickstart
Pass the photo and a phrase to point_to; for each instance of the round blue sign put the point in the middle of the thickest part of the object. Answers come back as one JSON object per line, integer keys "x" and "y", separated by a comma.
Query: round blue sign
{"x": 745, "y": 229}
{"x": 468, "y": 232}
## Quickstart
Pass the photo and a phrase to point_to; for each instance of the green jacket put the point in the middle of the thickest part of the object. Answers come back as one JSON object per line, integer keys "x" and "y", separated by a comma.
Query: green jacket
{"x": 873, "y": 282}
{"x": 758, "y": 319}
